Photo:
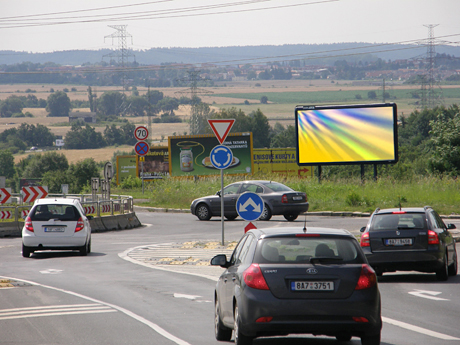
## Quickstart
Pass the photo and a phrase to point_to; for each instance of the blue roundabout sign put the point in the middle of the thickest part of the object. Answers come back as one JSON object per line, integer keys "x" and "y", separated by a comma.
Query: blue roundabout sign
{"x": 221, "y": 157}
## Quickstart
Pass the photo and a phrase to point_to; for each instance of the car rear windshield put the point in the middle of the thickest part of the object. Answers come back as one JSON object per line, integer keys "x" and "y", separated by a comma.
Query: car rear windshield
{"x": 54, "y": 211}
{"x": 291, "y": 250}
{"x": 397, "y": 221}
{"x": 278, "y": 187}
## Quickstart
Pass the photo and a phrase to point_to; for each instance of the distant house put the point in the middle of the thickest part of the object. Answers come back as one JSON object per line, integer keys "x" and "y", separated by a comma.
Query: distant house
{"x": 88, "y": 117}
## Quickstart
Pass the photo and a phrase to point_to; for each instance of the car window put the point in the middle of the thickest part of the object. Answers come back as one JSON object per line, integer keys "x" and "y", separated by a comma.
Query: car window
{"x": 300, "y": 250}
{"x": 250, "y": 187}
{"x": 54, "y": 211}
{"x": 245, "y": 249}
{"x": 436, "y": 221}
{"x": 237, "y": 250}
{"x": 397, "y": 221}
{"x": 278, "y": 187}
{"x": 232, "y": 189}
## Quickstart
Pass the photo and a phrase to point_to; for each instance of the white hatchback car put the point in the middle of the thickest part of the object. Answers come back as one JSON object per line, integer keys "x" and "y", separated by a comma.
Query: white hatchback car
{"x": 56, "y": 224}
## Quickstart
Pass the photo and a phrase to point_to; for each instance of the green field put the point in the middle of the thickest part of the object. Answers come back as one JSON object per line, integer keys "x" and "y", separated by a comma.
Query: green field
{"x": 341, "y": 195}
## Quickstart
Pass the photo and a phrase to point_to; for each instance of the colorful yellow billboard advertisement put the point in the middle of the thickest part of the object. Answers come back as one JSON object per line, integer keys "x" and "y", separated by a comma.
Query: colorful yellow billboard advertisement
{"x": 279, "y": 161}
{"x": 189, "y": 154}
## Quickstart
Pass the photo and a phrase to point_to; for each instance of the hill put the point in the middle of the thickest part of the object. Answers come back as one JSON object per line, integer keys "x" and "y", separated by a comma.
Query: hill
{"x": 314, "y": 53}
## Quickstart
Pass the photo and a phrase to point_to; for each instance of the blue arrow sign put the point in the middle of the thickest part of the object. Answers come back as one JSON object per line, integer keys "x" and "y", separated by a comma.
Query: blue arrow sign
{"x": 249, "y": 206}
{"x": 221, "y": 157}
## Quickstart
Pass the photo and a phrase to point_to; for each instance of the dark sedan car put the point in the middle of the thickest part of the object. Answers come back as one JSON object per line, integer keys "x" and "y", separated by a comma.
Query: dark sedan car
{"x": 410, "y": 239}
{"x": 278, "y": 200}
{"x": 291, "y": 280}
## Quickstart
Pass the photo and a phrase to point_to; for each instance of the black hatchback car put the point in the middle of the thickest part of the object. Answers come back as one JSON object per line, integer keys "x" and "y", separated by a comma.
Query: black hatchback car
{"x": 291, "y": 280}
{"x": 409, "y": 239}
{"x": 278, "y": 198}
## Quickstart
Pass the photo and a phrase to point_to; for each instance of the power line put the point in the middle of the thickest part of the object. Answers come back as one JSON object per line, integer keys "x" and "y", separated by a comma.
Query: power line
{"x": 164, "y": 14}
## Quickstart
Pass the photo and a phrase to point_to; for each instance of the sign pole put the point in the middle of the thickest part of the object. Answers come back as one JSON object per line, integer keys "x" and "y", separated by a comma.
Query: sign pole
{"x": 142, "y": 175}
{"x": 222, "y": 202}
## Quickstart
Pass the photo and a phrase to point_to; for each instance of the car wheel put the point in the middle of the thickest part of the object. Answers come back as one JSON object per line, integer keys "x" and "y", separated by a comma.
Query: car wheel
{"x": 453, "y": 268}
{"x": 89, "y": 245}
{"x": 84, "y": 250}
{"x": 291, "y": 217}
{"x": 203, "y": 212}
{"x": 442, "y": 274}
{"x": 240, "y": 338}
{"x": 343, "y": 338}
{"x": 230, "y": 217}
{"x": 266, "y": 213}
{"x": 26, "y": 251}
{"x": 221, "y": 332}
{"x": 370, "y": 339}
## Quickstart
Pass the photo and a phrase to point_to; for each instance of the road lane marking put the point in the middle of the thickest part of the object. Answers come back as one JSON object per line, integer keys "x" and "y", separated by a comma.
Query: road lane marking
{"x": 418, "y": 329}
{"x": 139, "y": 318}
{"x": 428, "y": 294}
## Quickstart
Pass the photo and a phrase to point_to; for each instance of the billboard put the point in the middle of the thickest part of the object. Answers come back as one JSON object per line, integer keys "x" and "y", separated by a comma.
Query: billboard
{"x": 156, "y": 163}
{"x": 281, "y": 161}
{"x": 126, "y": 166}
{"x": 346, "y": 134}
{"x": 189, "y": 154}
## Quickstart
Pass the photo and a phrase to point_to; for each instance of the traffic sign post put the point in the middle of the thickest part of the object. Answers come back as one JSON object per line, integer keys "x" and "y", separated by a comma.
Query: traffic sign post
{"x": 249, "y": 206}
{"x": 221, "y": 156}
{"x": 221, "y": 128}
{"x": 141, "y": 133}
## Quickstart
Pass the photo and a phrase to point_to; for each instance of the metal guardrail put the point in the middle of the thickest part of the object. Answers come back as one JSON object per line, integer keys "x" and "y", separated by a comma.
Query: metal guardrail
{"x": 118, "y": 204}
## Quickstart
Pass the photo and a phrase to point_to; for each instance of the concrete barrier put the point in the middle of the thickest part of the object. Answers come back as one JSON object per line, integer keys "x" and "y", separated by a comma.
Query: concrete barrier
{"x": 98, "y": 224}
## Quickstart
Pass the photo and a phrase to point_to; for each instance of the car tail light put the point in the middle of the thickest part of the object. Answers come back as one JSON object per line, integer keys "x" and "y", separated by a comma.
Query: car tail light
{"x": 365, "y": 241}
{"x": 433, "y": 237}
{"x": 264, "y": 319}
{"x": 360, "y": 319}
{"x": 367, "y": 279}
{"x": 284, "y": 199}
{"x": 80, "y": 225}
{"x": 398, "y": 212}
{"x": 28, "y": 224}
{"x": 254, "y": 278}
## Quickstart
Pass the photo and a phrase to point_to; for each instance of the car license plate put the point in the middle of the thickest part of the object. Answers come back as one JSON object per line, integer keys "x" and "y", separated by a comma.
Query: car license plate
{"x": 312, "y": 286}
{"x": 296, "y": 198}
{"x": 54, "y": 229}
{"x": 398, "y": 241}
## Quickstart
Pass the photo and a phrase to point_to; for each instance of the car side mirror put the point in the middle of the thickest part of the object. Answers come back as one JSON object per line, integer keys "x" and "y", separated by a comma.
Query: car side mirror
{"x": 89, "y": 217}
{"x": 451, "y": 226}
{"x": 362, "y": 229}
{"x": 220, "y": 260}
{"x": 218, "y": 193}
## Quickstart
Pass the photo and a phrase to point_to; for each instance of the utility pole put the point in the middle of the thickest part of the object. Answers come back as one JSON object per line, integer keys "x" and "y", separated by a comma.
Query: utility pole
{"x": 195, "y": 117}
{"x": 122, "y": 53}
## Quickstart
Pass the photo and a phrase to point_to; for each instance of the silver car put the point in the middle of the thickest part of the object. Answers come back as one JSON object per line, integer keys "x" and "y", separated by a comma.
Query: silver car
{"x": 56, "y": 224}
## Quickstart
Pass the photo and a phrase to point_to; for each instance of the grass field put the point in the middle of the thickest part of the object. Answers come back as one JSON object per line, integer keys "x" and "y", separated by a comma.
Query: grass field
{"x": 283, "y": 96}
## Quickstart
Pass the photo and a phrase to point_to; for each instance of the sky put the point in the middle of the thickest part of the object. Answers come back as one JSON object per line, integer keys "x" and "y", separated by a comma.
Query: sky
{"x": 58, "y": 25}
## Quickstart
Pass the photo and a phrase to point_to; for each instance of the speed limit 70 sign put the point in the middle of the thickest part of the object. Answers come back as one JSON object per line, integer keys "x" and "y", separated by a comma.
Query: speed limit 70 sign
{"x": 141, "y": 133}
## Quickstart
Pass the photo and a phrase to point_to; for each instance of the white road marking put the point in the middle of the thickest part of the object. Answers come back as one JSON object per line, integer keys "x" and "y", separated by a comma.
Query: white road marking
{"x": 181, "y": 295}
{"x": 51, "y": 271}
{"x": 418, "y": 329}
{"x": 146, "y": 322}
{"x": 428, "y": 294}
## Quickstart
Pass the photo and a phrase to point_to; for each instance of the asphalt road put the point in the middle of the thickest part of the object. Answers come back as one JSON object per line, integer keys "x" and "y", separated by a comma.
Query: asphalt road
{"x": 110, "y": 297}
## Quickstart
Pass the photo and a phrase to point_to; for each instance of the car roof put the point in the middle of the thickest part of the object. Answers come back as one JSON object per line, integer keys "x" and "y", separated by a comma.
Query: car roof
{"x": 56, "y": 201}
{"x": 403, "y": 209}
{"x": 299, "y": 230}
{"x": 257, "y": 181}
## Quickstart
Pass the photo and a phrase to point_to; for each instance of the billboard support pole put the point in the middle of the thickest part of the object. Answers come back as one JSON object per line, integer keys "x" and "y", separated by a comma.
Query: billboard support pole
{"x": 222, "y": 202}
{"x": 319, "y": 173}
{"x": 375, "y": 172}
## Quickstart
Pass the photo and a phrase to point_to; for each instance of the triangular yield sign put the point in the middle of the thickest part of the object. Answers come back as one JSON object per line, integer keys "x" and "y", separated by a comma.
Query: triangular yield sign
{"x": 221, "y": 128}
